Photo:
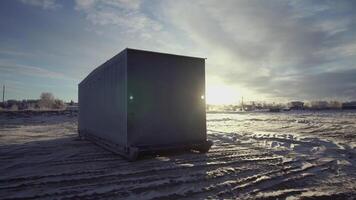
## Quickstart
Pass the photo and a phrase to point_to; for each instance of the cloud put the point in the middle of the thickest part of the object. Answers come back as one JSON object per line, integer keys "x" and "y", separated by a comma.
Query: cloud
{"x": 339, "y": 84}
{"x": 125, "y": 14}
{"x": 32, "y": 71}
{"x": 45, "y": 4}
{"x": 260, "y": 43}
{"x": 123, "y": 4}
{"x": 275, "y": 48}
{"x": 14, "y": 52}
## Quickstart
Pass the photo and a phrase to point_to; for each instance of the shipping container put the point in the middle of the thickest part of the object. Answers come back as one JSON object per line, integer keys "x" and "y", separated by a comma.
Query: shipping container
{"x": 141, "y": 101}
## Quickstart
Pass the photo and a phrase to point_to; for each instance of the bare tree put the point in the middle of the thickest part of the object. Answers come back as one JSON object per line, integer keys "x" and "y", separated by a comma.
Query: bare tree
{"x": 46, "y": 100}
{"x": 59, "y": 104}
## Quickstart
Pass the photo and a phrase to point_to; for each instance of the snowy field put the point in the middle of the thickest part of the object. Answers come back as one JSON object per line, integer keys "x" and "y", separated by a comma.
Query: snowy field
{"x": 291, "y": 155}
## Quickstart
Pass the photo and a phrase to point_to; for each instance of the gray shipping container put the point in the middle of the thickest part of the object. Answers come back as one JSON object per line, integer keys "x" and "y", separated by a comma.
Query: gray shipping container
{"x": 142, "y": 101}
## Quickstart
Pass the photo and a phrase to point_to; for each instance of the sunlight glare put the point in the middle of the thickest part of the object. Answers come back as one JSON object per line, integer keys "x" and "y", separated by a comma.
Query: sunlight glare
{"x": 221, "y": 94}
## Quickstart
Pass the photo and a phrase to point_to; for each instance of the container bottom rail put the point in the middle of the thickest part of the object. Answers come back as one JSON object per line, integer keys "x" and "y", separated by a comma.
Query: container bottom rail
{"x": 132, "y": 153}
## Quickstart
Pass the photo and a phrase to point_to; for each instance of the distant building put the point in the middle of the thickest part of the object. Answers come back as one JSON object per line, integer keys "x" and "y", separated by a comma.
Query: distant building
{"x": 319, "y": 105}
{"x": 72, "y": 107}
{"x": 335, "y": 105}
{"x": 296, "y": 105}
{"x": 249, "y": 107}
{"x": 349, "y": 105}
{"x": 28, "y": 104}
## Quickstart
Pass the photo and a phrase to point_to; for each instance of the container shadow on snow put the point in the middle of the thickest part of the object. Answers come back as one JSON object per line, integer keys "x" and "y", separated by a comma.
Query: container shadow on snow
{"x": 69, "y": 168}
{"x": 72, "y": 168}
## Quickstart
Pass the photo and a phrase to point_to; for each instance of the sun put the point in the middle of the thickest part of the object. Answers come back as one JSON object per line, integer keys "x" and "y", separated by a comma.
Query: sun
{"x": 221, "y": 94}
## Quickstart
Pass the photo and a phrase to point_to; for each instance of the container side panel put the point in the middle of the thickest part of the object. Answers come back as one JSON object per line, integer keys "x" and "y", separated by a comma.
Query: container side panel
{"x": 102, "y": 100}
{"x": 166, "y": 105}
{"x": 80, "y": 117}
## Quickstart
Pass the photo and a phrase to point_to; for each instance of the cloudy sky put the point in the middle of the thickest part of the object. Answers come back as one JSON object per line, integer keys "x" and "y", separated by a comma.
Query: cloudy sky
{"x": 272, "y": 50}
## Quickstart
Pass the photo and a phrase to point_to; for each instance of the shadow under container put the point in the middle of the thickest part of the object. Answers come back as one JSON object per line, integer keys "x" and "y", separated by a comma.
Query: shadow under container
{"x": 141, "y": 101}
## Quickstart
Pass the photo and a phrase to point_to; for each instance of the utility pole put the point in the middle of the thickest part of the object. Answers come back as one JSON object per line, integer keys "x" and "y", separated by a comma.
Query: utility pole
{"x": 3, "y": 94}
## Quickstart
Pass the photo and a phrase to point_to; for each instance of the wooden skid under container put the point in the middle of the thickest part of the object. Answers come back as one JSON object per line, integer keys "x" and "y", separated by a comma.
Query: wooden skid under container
{"x": 141, "y": 101}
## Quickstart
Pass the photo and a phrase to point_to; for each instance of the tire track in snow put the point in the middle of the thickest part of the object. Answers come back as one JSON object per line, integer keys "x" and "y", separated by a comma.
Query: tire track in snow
{"x": 237, "y": 164}
{"x": 140, "y": 171}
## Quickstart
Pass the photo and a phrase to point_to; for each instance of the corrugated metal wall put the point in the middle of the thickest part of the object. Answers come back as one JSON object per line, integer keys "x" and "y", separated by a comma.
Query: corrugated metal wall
{"x": 103, "y": 102}
{"x": 167, "y": 107}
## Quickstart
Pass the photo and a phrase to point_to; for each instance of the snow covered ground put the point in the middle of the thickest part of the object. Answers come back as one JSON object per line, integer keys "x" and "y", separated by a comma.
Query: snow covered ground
{"x": 291, "y": 155}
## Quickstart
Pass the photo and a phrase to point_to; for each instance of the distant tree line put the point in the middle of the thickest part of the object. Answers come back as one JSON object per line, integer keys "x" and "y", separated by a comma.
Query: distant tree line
{"x": 293, "y": 105}
{"x": 46, "y": 102}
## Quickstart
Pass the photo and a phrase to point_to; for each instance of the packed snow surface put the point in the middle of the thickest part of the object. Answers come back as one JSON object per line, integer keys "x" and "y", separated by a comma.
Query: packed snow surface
{"x": 287, "y": 155}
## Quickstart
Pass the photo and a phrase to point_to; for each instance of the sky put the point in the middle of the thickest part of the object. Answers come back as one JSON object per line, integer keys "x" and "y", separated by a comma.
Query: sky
{"x": 274, "y": 50}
